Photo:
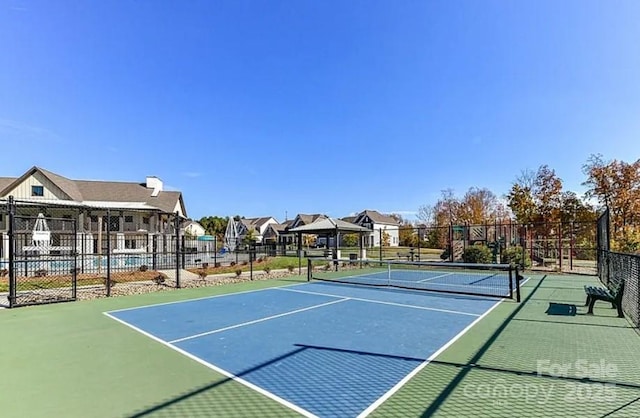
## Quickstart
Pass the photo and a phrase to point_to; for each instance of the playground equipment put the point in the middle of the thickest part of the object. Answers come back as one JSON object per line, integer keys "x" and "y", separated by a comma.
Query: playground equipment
{"x": 231, "y": 235}
{"x": 41, "y": 239}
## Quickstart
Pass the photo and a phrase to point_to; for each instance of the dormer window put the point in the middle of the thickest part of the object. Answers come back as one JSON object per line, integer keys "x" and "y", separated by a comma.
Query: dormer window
{"x": 37, "y": 191}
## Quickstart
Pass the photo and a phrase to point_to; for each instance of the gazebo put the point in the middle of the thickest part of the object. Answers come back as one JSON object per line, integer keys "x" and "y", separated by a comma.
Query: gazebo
{"x": 330, "y": 227}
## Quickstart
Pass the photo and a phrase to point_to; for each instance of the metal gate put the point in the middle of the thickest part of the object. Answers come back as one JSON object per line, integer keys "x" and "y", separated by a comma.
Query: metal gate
{"x": 42, "y": 259}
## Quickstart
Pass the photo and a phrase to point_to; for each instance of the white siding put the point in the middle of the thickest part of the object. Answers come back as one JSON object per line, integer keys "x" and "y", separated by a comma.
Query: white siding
{"x": 178, "y": 209}
{"x": 23, "y": 190}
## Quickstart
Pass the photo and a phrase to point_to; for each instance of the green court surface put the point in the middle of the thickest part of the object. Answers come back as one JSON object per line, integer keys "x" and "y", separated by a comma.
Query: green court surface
{"x": 538, "y": 358}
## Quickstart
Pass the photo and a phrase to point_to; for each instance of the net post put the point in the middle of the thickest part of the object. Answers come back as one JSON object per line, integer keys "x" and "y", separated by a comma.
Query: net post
{"x": 517, "y": 285}
{"x": 308, "y": 269}
{"x": 511, "y": 282}
{"x": 109, "y": 278}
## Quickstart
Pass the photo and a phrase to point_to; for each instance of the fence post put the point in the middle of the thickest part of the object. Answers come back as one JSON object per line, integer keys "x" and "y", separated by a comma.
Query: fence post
{"x": 11, "y": 209}
{"x": 154, "y": 254}
{"x": 571, "y": 244}
{"x": 451, "y": 249}
{"x": 74, "y": 271}
{"x": 184, "y": 253}
{"x": 177, "y": 226}
{"x": 108, "y": 252}
{"x": 560, "y": 246}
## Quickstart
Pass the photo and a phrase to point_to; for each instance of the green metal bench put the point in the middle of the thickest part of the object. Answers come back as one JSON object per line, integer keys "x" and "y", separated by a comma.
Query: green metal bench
{"x": 611, "y": 294}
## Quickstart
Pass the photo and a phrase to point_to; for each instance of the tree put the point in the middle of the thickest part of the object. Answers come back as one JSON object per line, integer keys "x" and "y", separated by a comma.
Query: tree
{"x": 408, "y": 236}
{"x": 616, "y": 185}
{"x": 386, "y": 239}
{"x": 308, "y": 240}
{"x": 215, "y": 225}
{"x": 547, "y": 193}
{"x": 479, "y": 206}
{"x": 536, "y": 197}
{"x": 250, "y": 237}
{"x": 350, "y": 240}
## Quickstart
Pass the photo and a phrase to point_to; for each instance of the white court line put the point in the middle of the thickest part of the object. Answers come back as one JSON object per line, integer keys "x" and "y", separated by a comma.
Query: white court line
{"x": 223, "y": 372}
{"x": 382, "y": 302}
{"x": 255, "y": 321}
{"x": 422, "y": 365}
{"x": 202, "y": 298}
{"x": 431, "y": 278}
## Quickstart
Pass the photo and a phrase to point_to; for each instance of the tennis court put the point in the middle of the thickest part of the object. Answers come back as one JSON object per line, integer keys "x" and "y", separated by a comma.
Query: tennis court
{"x": 288, "y": 347}
{"x": 320, "y": 349}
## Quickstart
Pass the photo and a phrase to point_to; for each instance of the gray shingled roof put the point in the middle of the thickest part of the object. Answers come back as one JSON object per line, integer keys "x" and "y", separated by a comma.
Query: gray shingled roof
{"x": 255, "y": 222}
{"x": 379, "y": 218}
{"x": 102, "y": 191}
{"x": 6, "y": 181}
{"x": 307, "y": 219}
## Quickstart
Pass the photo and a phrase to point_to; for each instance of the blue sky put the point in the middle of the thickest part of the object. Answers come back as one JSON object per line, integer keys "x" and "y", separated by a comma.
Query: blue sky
{"x": 267, "y": 108}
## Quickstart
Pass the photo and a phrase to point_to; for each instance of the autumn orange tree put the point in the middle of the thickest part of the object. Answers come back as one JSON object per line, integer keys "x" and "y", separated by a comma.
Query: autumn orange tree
{"x": 616, "y": 185}
{"x": 407, "y": 233}
{"x": 477, "y": 206}
{"x": 536, "y": 197}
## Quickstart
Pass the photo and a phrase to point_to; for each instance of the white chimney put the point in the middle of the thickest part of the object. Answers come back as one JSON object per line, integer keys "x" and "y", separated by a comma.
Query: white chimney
{"x": 155, "y": 184}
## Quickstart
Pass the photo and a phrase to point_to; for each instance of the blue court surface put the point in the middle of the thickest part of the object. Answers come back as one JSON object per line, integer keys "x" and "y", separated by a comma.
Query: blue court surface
{"x": 322, "y": 349}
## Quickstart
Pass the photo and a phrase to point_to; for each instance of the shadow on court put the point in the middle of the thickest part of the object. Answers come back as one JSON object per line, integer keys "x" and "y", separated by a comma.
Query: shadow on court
{"x": 537, "y": 362}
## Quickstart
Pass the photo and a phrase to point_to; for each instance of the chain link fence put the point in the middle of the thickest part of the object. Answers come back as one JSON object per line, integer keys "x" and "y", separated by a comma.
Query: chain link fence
{"x": 564, "y": 247}
{"x": 49, "y": 252}
{"x": 614, "y": 267}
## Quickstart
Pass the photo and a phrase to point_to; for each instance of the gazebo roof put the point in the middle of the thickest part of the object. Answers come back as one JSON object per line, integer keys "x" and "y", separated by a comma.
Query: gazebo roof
{"x": 329, "y": 226}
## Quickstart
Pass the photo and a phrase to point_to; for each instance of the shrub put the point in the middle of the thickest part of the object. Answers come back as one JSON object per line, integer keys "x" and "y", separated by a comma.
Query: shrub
{"x": 238, "y": 272}
{"x": 267, "y": 270}
{"x": 477, "y": 254}
{"x": 290, "y": 268}
{"x": 233, "y": 263}
{"x": 144, "y": 268}
{"x": 4, "y": 272}
{"x": 40, "y": 273}
{"x": 513, "y": 255}
{"x": 160, "y": 278}
{"x": 244, "y": 263}
{"x": 445, "y": 254}
{"x": 216, "y": 265}
{"x": 202, "y": 274}
{"x": 109, "y": 283}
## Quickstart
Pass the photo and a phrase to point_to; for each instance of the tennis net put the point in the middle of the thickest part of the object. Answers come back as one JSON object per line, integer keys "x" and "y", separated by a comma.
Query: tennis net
{"x": 494, "y": 280}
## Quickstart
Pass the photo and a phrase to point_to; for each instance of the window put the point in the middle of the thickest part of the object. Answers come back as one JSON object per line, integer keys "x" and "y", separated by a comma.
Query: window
{"x": 94, "y": 218}
{"x": 128, "y": 219}
{"x": 145, "y": 220}
{"x": 37, "y": 191}
{"x": 130, "y": 244}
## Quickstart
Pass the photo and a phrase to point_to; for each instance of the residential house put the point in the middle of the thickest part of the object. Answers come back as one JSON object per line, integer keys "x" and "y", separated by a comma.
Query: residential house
{"x": 277, "y": 233}
{"x": 259, "y": 225}
{"x": 137, "y": 217}
{"x": 381, "y": 225}
{"x": 194, "y": 229}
